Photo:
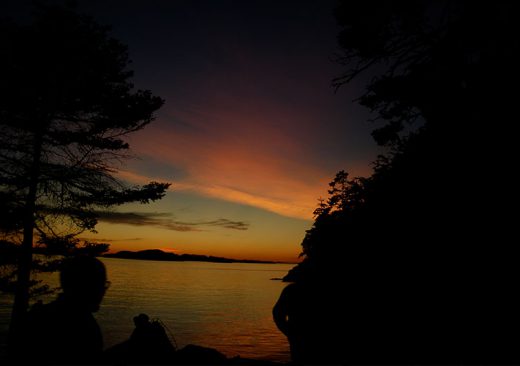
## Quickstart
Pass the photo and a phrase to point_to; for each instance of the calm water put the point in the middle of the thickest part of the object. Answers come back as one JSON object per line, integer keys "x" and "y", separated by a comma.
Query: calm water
{"x": 223, "y": 306}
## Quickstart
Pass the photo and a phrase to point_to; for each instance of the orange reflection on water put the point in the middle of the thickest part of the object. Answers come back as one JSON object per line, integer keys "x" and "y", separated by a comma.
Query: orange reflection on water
{"x": 223, "y": 306}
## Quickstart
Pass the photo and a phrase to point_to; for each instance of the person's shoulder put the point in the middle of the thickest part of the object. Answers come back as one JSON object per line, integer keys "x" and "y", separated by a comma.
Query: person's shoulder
{"x": 41, "y": 319}
{"x": 39, "y": 310}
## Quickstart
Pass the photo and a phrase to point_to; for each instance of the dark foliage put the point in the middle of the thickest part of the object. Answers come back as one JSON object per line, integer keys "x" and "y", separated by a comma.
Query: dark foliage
{"x": 66, "y": 107}
{"x": 421, "y": 246}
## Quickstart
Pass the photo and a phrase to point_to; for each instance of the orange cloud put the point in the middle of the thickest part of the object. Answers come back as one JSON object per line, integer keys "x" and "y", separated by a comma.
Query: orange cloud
{"x": 261, "y": 163}
{"x": 298, "y": 202}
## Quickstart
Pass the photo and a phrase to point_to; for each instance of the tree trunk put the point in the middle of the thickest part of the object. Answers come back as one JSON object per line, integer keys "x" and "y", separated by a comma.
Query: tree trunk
{"x": 21, "y": 298}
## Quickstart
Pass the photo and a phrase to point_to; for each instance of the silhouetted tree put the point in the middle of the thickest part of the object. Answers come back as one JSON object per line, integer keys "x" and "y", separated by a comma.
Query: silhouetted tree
{"x": 345, "y": 198}
{"x": 445, "y": 66}
{"x": 66, "y": 106}
{"x": 420, "y": 247}
{"x": 429, "y": 59}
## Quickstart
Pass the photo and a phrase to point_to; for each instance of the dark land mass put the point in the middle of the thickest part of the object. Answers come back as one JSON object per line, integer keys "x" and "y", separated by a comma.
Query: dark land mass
{"x": 159, "y": 255}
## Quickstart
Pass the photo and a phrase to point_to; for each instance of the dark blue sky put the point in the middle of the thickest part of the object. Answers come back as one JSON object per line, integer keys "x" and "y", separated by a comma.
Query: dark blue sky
{"x": 264, "y": 53}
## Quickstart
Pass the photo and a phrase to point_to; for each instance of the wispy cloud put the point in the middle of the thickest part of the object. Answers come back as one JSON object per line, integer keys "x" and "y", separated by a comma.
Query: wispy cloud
{"x": 225, "y": 223}
{"x": 257, "y": 159}
{"x": 165, "y": 221}
{"x": 300, "y": 203}
{"x": 104, "y": 240}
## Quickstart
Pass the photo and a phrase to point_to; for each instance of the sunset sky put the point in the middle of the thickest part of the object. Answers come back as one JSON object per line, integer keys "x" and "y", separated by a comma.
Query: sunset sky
{"x": 251, "y": 131}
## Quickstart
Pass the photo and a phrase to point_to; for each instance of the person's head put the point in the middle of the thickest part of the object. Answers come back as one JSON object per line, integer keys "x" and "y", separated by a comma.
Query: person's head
{"x": 84, "y": 281}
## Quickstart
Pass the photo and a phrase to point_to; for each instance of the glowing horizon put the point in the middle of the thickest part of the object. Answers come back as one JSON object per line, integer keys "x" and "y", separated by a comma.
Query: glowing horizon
{"x": 251, "y": 132}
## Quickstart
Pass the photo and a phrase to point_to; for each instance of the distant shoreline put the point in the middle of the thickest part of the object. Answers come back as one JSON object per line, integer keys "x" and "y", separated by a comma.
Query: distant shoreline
{"x": 159, "y": 255}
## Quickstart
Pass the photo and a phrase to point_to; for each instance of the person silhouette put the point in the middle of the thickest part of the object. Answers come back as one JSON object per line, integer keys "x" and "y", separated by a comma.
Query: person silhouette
{"x": 301, "y": 313}
{"x": 288, "y": 319}
{"x": 65, "y": 331}
{"x": 310, "y": 312}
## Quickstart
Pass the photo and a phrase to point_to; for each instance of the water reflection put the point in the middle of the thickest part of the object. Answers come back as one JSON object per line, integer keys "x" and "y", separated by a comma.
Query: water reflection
{"x": 223, "y": 306}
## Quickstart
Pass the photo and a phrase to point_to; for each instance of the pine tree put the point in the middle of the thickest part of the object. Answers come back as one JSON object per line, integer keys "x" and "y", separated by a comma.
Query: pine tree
{"x": 66, "y": 107}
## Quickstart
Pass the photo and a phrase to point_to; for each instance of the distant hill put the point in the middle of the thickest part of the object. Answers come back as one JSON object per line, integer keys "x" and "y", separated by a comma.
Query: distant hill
{"x": 159, "y": 255}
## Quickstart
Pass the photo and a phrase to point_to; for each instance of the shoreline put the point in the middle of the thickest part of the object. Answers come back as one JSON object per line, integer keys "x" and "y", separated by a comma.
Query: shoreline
{"x": 159, "y": 255}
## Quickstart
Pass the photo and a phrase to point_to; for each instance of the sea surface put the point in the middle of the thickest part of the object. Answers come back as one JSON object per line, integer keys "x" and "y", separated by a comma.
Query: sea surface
{"x": 226, "y": 306}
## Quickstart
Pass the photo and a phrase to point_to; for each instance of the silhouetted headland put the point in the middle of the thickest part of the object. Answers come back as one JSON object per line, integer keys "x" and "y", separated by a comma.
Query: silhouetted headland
{"x": 159, "y": 255}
